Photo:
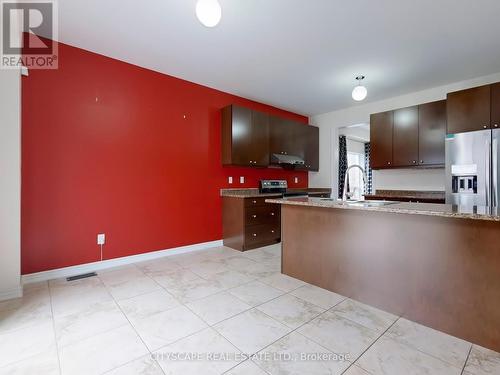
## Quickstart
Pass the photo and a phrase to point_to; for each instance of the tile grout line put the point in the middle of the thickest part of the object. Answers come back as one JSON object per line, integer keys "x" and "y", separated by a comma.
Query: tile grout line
{"x": 228, "y": 290}
{"x": 54, "y": 328}
{"x": 368, "y": 348}
{"x": 253, "y": 307}
{"x": 110, "y": 329}
{"x": 138, "y": 335}
{"x": 208, "y": 325}
{"x": 128, "y": 320}
{"x": 294, "y": 330}
{"x": 409, "y": 346}
{"x": 184, "y": 304}
{"x": 402, "y": 342}
{"x": 466, "y": 360}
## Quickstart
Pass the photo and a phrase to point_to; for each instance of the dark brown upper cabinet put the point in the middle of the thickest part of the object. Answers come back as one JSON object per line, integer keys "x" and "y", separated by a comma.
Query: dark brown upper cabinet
{"x": 432, "y": 133}
{"x": 495, "y": 106}
{"x": 405, "y": 137}
{"x": 245, "y": 137}
{"x": 285, "y": 137}
{"x": 282, "y": 137}
{"x": 311, "y": 154}
{"x": 409, "y": 137}
{"x": 288, "y": 137}
{"x": 308, "y": 138}
{"x": 381, "y": 125}
{"x": 469, "y": 110}
{"x": 250, "y": 138}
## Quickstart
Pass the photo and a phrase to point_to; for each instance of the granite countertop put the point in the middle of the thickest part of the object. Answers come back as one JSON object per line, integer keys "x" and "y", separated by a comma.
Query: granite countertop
{"x": 429, "y": 209}
{"x": 408, "y": 194}
{"x": 254, "y": 192}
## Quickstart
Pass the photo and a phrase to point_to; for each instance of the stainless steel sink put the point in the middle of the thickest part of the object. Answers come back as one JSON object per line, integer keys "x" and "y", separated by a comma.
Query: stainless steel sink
{"x": 369, "y": 203}
{"x": 366, "y": 203}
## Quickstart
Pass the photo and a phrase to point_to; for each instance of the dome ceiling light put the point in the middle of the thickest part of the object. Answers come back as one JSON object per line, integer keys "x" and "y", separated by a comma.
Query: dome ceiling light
{"x": 359, "y": 92}
{"x": 209, "y": 12}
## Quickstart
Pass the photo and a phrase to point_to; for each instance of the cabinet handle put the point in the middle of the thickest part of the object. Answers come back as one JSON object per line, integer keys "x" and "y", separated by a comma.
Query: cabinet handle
{"x": 388, "y": 163}
{"x": 496, "y": 125}
{"x": 414, "y": 161}
{"x": 254, "y": 234}
{"x": 485, "y": 127}
{"x": 254, "y": 216}
{"x": 421, "y": 162}
{"x": 272, "y": 231}
{"x": 272, "y": 213}
{"x": 254, "y": 202}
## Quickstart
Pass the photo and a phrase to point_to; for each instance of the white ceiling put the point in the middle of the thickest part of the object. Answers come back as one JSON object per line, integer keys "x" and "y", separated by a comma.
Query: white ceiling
{"x": 300, "y": 55}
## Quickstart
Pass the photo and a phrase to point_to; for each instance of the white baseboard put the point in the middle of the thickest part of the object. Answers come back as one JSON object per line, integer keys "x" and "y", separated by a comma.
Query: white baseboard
{"x": 12, "y": 293}
{"x": 110, "y": 263}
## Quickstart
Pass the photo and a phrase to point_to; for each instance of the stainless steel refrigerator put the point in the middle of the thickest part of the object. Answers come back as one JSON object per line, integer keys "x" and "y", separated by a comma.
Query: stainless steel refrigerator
{"x": 472, "y": 168}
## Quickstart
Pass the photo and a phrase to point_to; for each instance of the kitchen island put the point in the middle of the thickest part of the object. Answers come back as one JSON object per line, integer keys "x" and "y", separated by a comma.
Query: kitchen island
{"x": 435, "y": 264}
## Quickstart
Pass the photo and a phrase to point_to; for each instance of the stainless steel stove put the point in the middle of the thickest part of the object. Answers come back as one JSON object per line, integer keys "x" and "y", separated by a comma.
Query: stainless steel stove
{"x": 281, "y": 186}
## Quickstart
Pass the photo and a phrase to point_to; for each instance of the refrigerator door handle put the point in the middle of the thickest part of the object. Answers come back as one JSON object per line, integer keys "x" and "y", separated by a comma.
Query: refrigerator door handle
{"x": 487, "y": 175}
{"x": 494, "y": 183}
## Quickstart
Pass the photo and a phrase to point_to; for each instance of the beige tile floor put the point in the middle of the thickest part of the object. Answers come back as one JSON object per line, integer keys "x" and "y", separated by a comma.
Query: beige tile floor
{"x": 217, "y": 311}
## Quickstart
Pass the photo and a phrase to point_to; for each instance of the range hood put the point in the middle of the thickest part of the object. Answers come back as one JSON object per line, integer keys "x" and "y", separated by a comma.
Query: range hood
{"x": 287, "y": 160}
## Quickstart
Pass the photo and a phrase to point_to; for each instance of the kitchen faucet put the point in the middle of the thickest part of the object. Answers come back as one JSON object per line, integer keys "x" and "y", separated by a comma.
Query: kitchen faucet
{"x": 347, "y": 194}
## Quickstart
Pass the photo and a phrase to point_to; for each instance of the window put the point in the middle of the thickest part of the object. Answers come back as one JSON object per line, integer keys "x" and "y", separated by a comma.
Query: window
{"x": 356, "y": 185}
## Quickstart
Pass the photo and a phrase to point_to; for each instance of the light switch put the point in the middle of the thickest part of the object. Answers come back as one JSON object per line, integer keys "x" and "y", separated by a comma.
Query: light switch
{"x": 242, "y": 179}
{"x": 296, "y": 180}
{"x": 230, "y": 179}
{"x": 101, "y": 239}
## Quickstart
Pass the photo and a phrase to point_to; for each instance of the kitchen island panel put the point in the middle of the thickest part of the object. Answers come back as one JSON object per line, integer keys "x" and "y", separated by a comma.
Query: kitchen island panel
{"x": 437, "y": 271}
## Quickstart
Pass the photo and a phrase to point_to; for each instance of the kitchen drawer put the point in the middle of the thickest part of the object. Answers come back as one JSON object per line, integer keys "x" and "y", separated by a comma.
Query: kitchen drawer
{"x": 270, "y": 213}
{"x": 261, "y": 234}
{"x": 254, "y": 202}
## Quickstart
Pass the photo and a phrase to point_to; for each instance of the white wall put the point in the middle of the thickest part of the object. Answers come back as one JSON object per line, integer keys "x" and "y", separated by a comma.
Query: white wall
{"x": 355, "y": 146}
{"x": 10, "y": 183}
{"x": 409, "y": 179}
{"x": 329, "y": 124}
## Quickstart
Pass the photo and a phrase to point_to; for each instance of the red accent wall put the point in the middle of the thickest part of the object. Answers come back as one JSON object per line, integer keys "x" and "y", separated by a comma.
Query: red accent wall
{"x": 106, "y": 149}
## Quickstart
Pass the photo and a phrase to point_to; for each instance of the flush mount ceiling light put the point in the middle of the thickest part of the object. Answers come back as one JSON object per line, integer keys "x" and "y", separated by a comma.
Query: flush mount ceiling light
{"x": 209, "y": 12}
{"x": 359, "y": 92}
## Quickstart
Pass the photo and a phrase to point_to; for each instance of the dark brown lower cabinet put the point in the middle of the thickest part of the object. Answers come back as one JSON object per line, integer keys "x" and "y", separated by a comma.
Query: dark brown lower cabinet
{"x": 249, "y": 223}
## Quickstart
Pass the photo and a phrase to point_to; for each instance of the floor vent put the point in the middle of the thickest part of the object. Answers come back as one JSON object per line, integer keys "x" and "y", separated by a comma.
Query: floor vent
{"x": 83, "y": 276}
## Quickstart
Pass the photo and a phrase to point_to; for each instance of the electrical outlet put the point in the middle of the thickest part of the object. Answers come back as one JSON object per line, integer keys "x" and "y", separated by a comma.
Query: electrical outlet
{"x": 296, "y": 180}
{"x": 242, "y": 180}
{"x": 230, "y": 179}
{"x": 101, "y": 239}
